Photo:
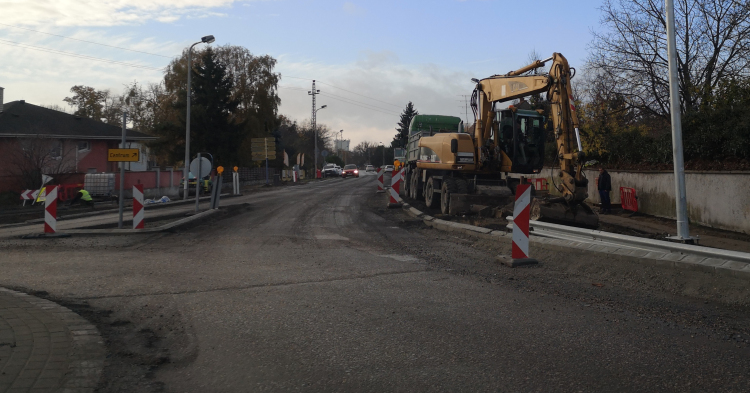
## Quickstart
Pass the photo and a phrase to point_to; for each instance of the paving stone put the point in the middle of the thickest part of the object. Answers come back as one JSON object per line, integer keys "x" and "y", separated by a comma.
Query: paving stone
{"x": 46, "y": 346}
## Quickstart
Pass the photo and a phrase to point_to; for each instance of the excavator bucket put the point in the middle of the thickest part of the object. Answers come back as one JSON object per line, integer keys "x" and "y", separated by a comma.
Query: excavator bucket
{"x": 560, "y": 212}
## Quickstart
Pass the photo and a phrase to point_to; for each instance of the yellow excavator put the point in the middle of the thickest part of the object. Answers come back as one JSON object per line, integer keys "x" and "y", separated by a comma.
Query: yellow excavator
{"x": 503, "y": 147}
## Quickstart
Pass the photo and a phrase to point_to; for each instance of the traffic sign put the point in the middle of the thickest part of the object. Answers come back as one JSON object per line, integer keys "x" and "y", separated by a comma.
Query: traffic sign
{"x": 123, "y": 155}
{"x": 324, "y": 153}
{"x": 205, "y": 167}
{"x": 262, "y": 149}
{"x": 261, "y": 157}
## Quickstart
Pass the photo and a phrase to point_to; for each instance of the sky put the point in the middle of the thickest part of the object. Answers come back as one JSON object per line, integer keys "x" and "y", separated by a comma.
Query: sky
{"x": 370, "y": 58}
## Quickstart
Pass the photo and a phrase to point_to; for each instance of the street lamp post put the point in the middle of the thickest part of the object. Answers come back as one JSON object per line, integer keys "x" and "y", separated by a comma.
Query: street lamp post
{"x": 207, "y": 39}
{"x": 315, "y": 128}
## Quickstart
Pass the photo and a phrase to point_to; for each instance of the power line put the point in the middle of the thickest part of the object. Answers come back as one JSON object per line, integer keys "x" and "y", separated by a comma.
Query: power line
{"x": 58, "y": 52}
{"x": 349, "y": 100}
{"x": 88, "y": 42}
{"x": 342, "y": 99}
{"x": 341, "y": 88}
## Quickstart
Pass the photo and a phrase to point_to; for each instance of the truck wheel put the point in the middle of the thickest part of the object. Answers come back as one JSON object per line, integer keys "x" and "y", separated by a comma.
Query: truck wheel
{"x": 407, "y": 183}
{"x": 429, "y": 193}
{"x": 416, "y": 191}
{"x": 449, "y": 187}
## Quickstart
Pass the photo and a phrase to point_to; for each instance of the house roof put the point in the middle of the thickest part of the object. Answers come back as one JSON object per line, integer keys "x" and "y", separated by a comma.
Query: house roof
{"x": 20, "y": 119}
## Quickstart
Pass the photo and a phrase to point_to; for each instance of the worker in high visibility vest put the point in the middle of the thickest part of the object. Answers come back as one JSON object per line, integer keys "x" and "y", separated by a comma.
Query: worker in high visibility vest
{"x": 396, "y": 165}
{"x": 83, "y": 197}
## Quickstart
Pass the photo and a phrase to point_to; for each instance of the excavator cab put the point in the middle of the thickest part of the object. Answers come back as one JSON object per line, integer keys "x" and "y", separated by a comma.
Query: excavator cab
{"x": 521, "y": 136}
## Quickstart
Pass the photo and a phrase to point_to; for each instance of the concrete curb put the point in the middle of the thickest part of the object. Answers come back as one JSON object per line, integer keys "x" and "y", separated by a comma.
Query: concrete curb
{"x": 87, "y": 353}
{"x": 670, "y": 259}
{"x": 165, "y": 227}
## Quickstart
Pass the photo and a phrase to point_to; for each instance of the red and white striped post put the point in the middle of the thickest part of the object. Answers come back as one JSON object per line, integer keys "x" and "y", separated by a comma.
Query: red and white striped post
{"x": 520, "y": 246}
{"x": 50, "y": 210}
{"x": 138, "y": 206}
{"x": 394, "y": 199}
{"x": 381, "y": 172}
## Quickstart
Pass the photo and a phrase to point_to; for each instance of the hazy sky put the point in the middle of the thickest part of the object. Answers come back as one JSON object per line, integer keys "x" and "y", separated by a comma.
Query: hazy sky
{"x": 372, "y": 57}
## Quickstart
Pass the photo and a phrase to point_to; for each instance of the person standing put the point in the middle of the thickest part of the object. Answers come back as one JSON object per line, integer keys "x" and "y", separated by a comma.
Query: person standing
{"x": 604, "y": 184}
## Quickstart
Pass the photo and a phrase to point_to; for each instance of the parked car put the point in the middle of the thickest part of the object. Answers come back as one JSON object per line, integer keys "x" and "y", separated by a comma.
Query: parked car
{"x": 369, "y": 168}
{"x": 350, "y": 170}
{"x": 389, "y": 168}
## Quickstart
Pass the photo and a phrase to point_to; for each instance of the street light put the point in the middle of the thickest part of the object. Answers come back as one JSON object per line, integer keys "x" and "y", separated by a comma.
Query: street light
{"x": 207, "y": 40}
{"x": 381, "y": 144}
{"x": 315, "y": 127}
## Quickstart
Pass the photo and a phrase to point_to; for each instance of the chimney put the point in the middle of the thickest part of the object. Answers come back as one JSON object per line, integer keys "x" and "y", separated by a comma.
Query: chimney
{"x": 1, "y": 99}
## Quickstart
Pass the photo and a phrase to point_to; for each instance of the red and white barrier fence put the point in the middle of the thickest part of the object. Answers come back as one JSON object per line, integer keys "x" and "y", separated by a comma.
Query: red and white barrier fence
{"x": 381, "y": 172}
{"x": 138, "y": 206}
{"x": 50, "y": 210}
{"x": 394, "y": 197}
{"x": 521, "y": 222}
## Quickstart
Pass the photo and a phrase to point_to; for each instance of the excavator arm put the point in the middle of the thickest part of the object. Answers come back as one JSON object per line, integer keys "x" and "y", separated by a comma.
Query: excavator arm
{"x": 513, "y": 85}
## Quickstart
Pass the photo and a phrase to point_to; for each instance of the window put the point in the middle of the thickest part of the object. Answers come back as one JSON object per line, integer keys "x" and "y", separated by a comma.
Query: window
{"x": 55, "y": 150}
{"x": 84, "y": 146}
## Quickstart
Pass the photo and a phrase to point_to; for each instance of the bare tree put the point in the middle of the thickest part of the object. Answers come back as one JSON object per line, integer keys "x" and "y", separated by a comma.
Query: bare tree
{"x": 39, "y": 155}
{"x": 713, "y": 44}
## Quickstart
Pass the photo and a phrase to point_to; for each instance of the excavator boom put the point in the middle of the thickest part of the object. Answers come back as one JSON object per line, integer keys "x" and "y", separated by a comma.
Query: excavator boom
{"x": 572, "y": 184}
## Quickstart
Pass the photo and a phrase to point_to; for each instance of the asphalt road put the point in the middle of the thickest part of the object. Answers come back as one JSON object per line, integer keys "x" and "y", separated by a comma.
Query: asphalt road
{"x": 321, "y": 288}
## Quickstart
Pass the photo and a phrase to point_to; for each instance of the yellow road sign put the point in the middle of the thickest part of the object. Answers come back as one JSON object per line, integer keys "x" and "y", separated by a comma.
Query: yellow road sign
{"x": 269, "y": 144}
{"x": 123, "y": 155}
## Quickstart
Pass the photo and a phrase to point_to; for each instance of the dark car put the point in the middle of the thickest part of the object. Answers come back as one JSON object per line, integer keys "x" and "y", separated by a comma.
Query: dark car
{"x": 350, "y": 170}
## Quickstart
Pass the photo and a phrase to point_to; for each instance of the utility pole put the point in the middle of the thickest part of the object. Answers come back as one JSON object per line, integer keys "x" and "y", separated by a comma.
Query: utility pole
{"x": 313, "y": 93}
{"x": 683, "y": 231}
{"x": 466, "y": 108}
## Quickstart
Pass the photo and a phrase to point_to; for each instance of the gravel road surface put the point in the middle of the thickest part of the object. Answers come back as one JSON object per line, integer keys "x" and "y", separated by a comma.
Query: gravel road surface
{"x": 319, "y": 287}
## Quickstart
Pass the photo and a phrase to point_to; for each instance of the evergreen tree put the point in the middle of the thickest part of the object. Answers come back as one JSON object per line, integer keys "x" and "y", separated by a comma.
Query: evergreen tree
{"x": 402, "y": 137}
{"x": 212, "y": 126}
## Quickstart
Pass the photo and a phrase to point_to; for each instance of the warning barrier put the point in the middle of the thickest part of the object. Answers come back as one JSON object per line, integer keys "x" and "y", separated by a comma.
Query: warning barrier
{"x": 138, "y": 206}
{"x": 394, "y": 197}
{"x": 628, "y": 199}
{"x": 521, "y": 222}
{"x": 540, "y": 184}
{"x": 50, "y": 210}
{"x": 380, "y": 179}
{"x": 29, "y": 195}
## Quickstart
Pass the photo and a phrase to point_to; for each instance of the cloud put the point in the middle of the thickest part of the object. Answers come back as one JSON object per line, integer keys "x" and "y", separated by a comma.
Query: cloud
{"x": 45, "y": 78}
{"x": 103, "y": 12}
{"x": 366, "y": 97}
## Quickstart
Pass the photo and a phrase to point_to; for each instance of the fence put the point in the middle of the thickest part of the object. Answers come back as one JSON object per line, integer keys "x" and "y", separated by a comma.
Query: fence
{"x": 715, "y": 199}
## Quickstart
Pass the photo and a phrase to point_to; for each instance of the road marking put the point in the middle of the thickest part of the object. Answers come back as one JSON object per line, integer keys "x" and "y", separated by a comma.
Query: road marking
{"x": 331, "y": 237}
{"x": 400, "y": 258}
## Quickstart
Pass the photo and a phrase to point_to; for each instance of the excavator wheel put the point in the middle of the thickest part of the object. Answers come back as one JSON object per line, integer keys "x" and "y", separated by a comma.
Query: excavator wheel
{"x": 429, "y": 193}
{"x": 462, "y": 186}
{"x": 449, "y": 187}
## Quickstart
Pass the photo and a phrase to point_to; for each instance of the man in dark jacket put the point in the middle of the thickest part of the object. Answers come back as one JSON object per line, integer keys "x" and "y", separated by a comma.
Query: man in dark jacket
{"x": 605, "y": 186}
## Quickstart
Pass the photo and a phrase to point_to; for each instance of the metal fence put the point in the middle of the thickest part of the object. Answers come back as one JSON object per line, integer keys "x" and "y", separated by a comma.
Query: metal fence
{"x": 253, "y": 176}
